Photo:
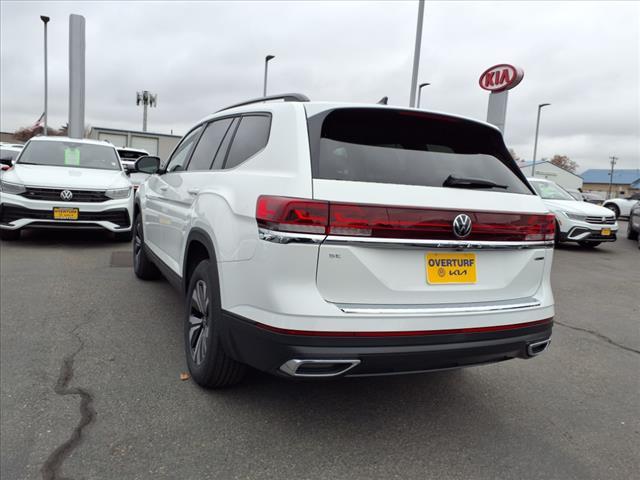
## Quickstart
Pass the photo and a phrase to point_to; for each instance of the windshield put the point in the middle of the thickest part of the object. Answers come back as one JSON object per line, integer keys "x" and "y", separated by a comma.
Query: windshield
{"x": 131, "y": 154}
{"x": 551, "y": 191}
{"x": 70, "y": 154}
{"x": 8, "y": 154}
{"x": 411, "y": 148}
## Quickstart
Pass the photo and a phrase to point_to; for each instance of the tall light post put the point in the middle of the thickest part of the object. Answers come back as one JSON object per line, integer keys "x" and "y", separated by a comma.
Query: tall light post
{"x": 266, "y": 66}
{"x": 147, "y": 100}
{"x": 613, "y": 159}
{"x": 535, "y": 142}
{"x": 45, "y": 20}
{"x": 416, "y": 54}
{"x": 419, "y": 92}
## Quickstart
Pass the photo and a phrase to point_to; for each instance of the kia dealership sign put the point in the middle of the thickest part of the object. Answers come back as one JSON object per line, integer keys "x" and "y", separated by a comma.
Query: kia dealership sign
{"x": 501, "y": 77}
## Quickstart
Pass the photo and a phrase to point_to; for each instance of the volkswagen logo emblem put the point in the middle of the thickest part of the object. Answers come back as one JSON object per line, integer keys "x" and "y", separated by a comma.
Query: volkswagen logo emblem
{"x": 462, "y": 225}
{"x": 66, "y": 195}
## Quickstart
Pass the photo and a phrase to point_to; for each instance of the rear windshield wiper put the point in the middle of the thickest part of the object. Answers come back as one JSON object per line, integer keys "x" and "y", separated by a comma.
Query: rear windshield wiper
{"x": 461, "y": 182}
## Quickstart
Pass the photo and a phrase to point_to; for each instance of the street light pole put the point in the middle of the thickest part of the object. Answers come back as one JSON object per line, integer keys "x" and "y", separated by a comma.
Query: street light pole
{"x": 416, "y": 54}
{"x": 613, "y": 164}
{"x": 266, "y": 66}
{"x": 420, "y": 91}
{"x": 535, "y": 142}
{"x": 45, "y": 20}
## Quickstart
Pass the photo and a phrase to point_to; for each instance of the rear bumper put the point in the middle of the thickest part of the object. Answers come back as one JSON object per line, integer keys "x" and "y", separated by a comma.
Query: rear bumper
{"x": 269, "y": 349}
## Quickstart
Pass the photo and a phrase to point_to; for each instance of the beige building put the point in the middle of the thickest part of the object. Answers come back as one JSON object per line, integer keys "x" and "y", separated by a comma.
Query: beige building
{"x": 159, "y": 144}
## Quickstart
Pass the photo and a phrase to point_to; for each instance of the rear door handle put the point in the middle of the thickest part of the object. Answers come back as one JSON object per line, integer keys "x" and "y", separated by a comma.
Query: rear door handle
{"x": 164, "y": 188}
{"x": 193, "y": 191}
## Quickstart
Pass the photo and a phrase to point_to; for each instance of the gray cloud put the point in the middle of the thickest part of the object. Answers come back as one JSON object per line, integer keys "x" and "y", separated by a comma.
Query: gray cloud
{"x": 582, "y": 57}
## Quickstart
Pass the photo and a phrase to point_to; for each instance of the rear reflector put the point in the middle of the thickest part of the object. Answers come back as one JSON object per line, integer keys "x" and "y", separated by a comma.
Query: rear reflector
{"x": 314, "y": 216}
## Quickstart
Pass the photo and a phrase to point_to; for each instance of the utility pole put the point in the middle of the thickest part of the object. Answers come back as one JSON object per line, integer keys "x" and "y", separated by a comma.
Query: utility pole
{"x": 613, "y": 164}
{"x": 148, "y": 100}
{"x": 416, "y": 55}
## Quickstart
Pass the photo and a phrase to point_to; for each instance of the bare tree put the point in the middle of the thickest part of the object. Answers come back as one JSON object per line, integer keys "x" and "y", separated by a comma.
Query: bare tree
{"x": 564, "y": 162}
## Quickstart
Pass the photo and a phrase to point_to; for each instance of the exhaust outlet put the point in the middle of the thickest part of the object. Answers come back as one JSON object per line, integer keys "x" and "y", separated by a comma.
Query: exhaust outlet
{"x": 318, "y": 368}
{"x": 536, "y": 348}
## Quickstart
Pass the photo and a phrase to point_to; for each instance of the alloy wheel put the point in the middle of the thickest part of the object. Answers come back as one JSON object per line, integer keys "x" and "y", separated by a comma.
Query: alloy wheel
{"x": 199, "y": 322}
{"x": 137, "y": 243}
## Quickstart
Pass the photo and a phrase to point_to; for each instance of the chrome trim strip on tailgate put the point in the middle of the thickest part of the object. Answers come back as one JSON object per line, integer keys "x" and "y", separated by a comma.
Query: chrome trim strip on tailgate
{"x": 448, "y": 244}
{"x": 429, "y": 310}
{"x": 288, "y": 237}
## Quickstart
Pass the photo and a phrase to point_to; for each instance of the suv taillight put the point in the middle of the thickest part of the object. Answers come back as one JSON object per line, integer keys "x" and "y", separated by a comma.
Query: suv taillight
{"x": 297, "y": 215}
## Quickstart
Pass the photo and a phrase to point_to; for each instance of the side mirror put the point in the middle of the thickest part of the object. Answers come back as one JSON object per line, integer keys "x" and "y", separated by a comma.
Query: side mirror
{"x": 8, "y": 161}
{"x": 148, "y": 164}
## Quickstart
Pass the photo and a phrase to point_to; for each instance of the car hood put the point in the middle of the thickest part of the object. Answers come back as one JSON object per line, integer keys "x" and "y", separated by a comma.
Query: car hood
{"x": 66, "y": 177}
{"x": 580, "y": 208}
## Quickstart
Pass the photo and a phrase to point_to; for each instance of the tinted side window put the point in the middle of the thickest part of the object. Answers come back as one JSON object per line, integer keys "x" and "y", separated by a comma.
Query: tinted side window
{"x": 181, "y": 154}
{"x": 208, "y": 145}
{"x": 251, "y": 136}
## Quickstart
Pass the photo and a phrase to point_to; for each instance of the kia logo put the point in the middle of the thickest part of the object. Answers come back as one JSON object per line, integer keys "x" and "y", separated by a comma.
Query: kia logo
{"x": 501, "y": 77}
{"x": 462, "y": 225}
{"x": 66, "y": 195}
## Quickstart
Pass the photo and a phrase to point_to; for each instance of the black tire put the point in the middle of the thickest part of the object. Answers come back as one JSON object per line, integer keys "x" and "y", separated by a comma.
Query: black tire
{"x": 614, "y": 208}
{"x": 556, "y": 238}
{"x": 631, "y": 233}
{"x": 589, "y": 244}
{"x": 123, "y": 236}
{"x": 9, "y": 235}
{"x": 209, "y": 365}
{"x": 143, "y": 267}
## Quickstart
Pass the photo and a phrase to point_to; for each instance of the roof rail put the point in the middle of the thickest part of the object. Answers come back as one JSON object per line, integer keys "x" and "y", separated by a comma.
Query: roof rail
{"x": 287, "y": 97}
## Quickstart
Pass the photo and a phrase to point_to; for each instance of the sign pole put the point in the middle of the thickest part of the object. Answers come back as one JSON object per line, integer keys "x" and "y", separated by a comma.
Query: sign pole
{"x": 76, "y": 76}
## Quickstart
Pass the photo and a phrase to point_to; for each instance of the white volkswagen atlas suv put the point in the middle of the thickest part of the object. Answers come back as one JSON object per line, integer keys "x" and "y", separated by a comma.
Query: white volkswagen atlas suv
{"x": 585, "y": 223}
{"x": 323, "y": 239}
{"x": 60, "y": 182}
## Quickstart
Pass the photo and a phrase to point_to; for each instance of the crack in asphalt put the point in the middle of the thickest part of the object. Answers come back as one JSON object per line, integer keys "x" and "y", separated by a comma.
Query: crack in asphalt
{"x": 51, "y": 468}
{"x": 599, "y": 335}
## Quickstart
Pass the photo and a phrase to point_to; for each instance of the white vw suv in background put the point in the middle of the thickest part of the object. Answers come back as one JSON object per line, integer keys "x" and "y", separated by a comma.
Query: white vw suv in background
{"x": 60, "y": 182}
{"x": 585, "y": 223}
{"x": 323, "y": 239}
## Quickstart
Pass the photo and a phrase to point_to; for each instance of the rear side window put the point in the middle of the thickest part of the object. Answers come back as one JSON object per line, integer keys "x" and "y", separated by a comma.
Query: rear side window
{"x": 208, "y": 145}
{"x": 251, "y": 136}
{"x": 409, "y": 148}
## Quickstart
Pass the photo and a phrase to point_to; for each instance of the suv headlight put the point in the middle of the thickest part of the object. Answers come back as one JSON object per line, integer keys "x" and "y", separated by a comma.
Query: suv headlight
{"x": 117, "y": 193}
{"x": 13, "y": 188}
{"x": 576, "y": 216}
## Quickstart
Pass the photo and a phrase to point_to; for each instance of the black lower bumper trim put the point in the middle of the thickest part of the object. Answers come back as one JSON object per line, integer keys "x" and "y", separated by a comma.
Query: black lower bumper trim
{"x": 267, "y": 350}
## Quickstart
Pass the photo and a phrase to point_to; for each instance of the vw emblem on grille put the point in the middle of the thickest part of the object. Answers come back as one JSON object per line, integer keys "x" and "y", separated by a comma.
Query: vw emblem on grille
{"x": 66, "y": 195}
{"x": 462, "y": 225}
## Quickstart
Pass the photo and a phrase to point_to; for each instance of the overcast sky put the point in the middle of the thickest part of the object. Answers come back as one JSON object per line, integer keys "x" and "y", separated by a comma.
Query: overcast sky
{"x": 583, "y": 57}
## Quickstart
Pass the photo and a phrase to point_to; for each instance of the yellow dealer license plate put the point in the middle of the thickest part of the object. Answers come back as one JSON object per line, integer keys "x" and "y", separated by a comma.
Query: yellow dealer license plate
{"x": 605, "y": 232}
{"x": 445, "y": 268}
{"x": 65, "y": 213}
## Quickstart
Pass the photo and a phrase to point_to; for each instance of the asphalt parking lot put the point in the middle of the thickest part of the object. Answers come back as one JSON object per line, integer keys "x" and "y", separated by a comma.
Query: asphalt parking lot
{"x": 90, "y": 360}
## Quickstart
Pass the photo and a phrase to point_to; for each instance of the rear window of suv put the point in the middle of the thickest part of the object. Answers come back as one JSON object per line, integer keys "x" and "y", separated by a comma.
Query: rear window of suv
{"x": 409, "y": 148}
